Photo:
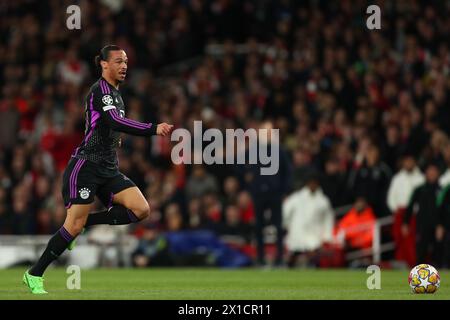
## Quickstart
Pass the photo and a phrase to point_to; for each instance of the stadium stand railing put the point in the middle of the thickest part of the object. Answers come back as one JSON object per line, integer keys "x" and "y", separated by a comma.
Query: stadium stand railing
{"x": 378, "y": 247}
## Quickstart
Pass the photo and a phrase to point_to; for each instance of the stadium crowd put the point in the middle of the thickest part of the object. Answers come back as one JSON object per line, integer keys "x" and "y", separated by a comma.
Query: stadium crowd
{"x": 363, "y": 114}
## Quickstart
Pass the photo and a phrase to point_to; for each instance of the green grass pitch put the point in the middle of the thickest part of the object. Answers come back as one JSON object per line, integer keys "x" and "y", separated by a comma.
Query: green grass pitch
{"x": 186, "y": 284}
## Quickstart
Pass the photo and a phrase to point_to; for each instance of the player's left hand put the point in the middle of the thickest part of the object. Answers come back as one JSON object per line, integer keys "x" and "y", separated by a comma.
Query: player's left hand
{"x": 163, "y": 129}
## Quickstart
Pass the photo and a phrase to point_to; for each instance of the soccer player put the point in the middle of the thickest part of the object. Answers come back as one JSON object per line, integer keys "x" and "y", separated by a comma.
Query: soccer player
{"x": 93, "y": 168}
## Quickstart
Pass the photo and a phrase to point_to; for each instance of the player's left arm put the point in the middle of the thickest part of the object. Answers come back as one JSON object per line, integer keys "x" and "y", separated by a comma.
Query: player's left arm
{"x": 104, "y": 105}
{"x": 117, "y": 123}
{"x": 135, "y": 127}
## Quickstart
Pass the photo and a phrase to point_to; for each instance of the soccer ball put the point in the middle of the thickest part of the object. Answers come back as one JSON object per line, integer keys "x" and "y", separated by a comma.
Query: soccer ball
{"x": 424, "y": 278}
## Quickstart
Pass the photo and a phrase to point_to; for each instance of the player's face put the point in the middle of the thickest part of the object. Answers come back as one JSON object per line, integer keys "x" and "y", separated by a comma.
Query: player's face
{"x": 117, "y": 65}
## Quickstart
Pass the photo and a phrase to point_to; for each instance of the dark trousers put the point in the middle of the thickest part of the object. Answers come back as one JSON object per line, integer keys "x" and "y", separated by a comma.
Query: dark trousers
{"x": 272, "y": 203}
{"x": 426, "y": 246}
{"x": 443, "y": 251}
{"x": 311, "y": 258}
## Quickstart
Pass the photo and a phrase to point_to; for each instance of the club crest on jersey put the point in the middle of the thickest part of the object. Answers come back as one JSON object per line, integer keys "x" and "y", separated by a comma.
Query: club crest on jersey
{"x": 107, "y": 99}
{"x": 84, "y": 193}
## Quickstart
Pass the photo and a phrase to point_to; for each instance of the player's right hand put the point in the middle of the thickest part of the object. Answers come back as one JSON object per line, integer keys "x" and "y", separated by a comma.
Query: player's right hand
{"x": 163, "y": 129}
